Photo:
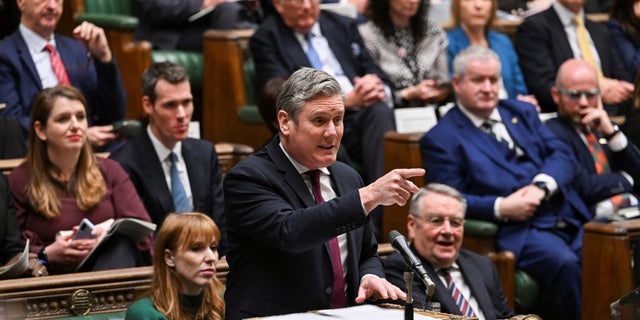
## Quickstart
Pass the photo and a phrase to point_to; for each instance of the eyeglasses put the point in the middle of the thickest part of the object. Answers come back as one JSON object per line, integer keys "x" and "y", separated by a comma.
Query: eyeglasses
{"x": 299, "y": 3}
{"x": 436, "y": 221}
{"x": 576, "y": 95}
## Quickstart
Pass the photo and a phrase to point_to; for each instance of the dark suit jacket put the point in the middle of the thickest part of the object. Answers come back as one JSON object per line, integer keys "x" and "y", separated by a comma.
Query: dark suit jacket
{"x": 596, "y": 187}
{"x": 100, "y": 83}
{"x": 542, "y": 46}
{"x": 140, "y": 161}
{"x": 279, "y": 260}
{"x": 11, "y": 139}
{"x": 276, "y": 51}
{"x": 457, "y": 153}
{"x": 10, "y": 235}
{"x": 479, "y": 274}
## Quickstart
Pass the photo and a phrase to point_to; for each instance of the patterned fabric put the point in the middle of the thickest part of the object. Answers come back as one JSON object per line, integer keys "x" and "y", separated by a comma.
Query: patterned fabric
{"x": 337, "y": 295}
{"x": 180, "y": 200}
{"x": 602, "y": 166}
{"x": 57, "y": 65}
{"x": 430, "y": 54}
{"x": 461, "y": 301}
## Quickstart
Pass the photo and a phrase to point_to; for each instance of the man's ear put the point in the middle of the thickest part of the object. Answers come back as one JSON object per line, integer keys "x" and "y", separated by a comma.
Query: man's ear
{"x": 411, "y": 227}
{"x": 555, "y": 94}
{"x": 455, "y": 83}
{"x": 284, "y": 122}
{"x": 168, "y": 258}
{"x": 147, "y": 106}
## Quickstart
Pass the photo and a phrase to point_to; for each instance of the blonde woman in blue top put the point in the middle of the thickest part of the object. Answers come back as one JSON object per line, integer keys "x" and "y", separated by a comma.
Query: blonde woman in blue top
{"x": 472, "y": 20}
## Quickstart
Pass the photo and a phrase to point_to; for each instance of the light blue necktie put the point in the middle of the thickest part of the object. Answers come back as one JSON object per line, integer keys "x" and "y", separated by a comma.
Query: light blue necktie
{"x": 312, "y": 54}
{"x": 180, "y": 200}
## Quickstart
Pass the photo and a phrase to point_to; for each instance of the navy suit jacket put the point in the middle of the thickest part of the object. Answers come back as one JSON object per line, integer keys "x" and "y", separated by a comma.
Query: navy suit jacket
{"x": 140, "y": 161}
{"x": 277, "y": 53}
{"x": 100, "y": 83}
{"x": 542, "y": 46}
{"x": 457, "y": 153}
{"x": 596, "y": 187}
{"x": 279, "y": 260}
{"x": 479, "y": 274}
{"x": 10, "y": 234}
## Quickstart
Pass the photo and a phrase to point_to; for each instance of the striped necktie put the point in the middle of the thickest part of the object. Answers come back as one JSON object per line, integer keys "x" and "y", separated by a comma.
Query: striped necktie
{"x": 180, "y": 200}
{"x": 312, "y": 54}
{"x": 458, "y": 297}
{"x": 57, "y": 65}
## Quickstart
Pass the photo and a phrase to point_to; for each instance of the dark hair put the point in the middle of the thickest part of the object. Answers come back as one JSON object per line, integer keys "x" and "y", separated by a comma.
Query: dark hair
{"x": 169, "y": 71}
{"x": 622, "y": 11}
{"x": 267, "y": 102}
{"x": 378, "y": 12}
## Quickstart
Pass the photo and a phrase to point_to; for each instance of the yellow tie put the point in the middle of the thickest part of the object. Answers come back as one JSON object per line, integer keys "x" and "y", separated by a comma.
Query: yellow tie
{"x": 583, "y": 43}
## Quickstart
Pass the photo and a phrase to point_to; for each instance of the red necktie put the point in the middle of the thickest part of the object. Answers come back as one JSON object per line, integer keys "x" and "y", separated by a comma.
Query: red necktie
{"x": 57, "y": 65}
{"x": 337, "y": 295}
{"x": 602, "y": 166}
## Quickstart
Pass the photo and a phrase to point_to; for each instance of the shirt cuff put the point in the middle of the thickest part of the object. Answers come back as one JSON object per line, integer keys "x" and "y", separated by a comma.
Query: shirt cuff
{"x": 496, "y": 209}
{"x": 618, "y": 143}
{"x": 549, "y": 180}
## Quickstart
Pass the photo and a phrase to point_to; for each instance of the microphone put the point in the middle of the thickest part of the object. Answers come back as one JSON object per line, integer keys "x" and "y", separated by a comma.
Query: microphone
{"x": 399, "y": 243}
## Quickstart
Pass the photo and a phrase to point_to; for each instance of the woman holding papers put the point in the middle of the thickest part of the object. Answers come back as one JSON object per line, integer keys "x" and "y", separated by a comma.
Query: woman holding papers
{"x": 410, "y": 49}
{"x": 62, "y": 182}
{"x": 184, "y": 284}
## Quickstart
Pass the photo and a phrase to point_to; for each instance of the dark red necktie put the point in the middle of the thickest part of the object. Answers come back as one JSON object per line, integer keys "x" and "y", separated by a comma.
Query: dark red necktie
{"x": 337, "y": 295}
{"x": 57, "y": 65}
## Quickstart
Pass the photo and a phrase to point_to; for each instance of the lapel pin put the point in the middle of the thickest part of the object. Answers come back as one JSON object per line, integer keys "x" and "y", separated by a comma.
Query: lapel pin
{"x": 514, "y": 120}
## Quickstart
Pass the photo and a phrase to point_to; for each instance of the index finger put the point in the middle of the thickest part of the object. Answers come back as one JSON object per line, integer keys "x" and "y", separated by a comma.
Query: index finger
{"x": 411, "y": 172}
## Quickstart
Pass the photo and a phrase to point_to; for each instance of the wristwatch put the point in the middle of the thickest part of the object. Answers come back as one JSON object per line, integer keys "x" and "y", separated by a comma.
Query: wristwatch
{"x": 615, "y": 132}
{"x": 543, "y": 185}
{"x": 42, "y": 255}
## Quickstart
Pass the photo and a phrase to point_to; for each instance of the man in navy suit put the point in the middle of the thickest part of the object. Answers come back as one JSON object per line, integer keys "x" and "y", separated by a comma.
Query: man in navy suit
{"x": 581, "y": 118}
{"x": 26, "y": 69}
{"x": 514, "y": 171}
{"x": 281, "y": 45}
{"x": 436, "y": 230}
{"x": 293, "y": 239}
{"x": 168, "y": 102}
{"x": 546, "y": 39}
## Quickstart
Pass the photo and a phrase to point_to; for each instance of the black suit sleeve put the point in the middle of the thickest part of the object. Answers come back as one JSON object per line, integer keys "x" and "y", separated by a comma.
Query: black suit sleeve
{"x": 10, "y": 237}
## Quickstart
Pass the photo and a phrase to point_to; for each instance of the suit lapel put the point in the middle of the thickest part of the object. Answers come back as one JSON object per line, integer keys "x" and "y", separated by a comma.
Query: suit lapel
{"x": 473, "y": 278}
{"x": 560, "y": 40}
{"x": 152, "y": 170}
{"x": 295, "y": 55}
{"x": 196, "y": 173}
{"x": 25, "y": 58}
{"x": 289, "y": 173}
{"x": 482, "y": 141}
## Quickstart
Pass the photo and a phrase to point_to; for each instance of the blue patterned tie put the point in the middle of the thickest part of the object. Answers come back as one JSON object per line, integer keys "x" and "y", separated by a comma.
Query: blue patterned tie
{"x": 312, "y": 54}
{"x": 180, "y": 200}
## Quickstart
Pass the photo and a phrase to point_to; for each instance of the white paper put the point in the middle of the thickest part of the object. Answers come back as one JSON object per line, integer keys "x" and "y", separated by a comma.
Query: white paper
{"x": 17, "y": 268}
{"x": 363, "y": 312}
{"x": 410, "y": 120}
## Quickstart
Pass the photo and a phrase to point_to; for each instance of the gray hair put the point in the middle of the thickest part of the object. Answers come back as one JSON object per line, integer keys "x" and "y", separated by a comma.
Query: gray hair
{"x": 302, "y": 86}
{"x": 474, "y": 52}
{"x": 415, "y": 205}
{"x": 169, "y": 71}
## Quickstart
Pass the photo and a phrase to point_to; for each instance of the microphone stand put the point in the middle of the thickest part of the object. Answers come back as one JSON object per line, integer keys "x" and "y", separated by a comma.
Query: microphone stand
{"x": 408, "y": 306}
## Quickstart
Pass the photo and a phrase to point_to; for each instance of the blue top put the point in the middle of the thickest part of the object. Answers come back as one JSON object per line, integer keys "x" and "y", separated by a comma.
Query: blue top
{"x": 628, "y": 47}
{"x": 501, "y": 45}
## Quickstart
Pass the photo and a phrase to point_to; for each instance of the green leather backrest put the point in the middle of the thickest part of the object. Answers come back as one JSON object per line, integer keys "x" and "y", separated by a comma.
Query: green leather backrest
{"x": 192, "y": 61}
{"x": 249, "y": 113}
{"x": 122, "y": 7}
{"x": 104, "y": 316}
{"x": 479, "y": 228}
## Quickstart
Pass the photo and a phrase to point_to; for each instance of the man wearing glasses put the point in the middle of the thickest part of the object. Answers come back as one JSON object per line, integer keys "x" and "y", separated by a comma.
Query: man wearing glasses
{"x": 515, "y": 172}
{"x": 611, "y": 161}
{"x": 436, "y": 229}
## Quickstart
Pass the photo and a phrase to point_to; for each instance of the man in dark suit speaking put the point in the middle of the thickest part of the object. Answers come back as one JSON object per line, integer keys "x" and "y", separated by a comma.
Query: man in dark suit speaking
{"x": 192, "y": 180}
{"x": 300, "y": 237}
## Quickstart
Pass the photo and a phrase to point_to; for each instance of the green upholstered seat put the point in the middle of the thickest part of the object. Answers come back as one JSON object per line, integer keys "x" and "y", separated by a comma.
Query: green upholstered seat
{"x": 109, "y": 14}
{"x": 249, "y": 113}
{"x": 102, "y": 316}
{"x": 528, "y": 294}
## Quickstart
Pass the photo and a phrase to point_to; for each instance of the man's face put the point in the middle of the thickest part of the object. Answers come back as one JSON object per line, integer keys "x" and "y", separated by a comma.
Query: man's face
{"x": 314, "y": 140}
{"x": 170, "y": 115}
{"x": 478, "y": 90}
{"x": 299, "y": 15}
{"x": 40, "y": 16}
{"x": 574, "y": 93}
{"x": 573, "y": 5}
{"x": 437, "y": 232}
